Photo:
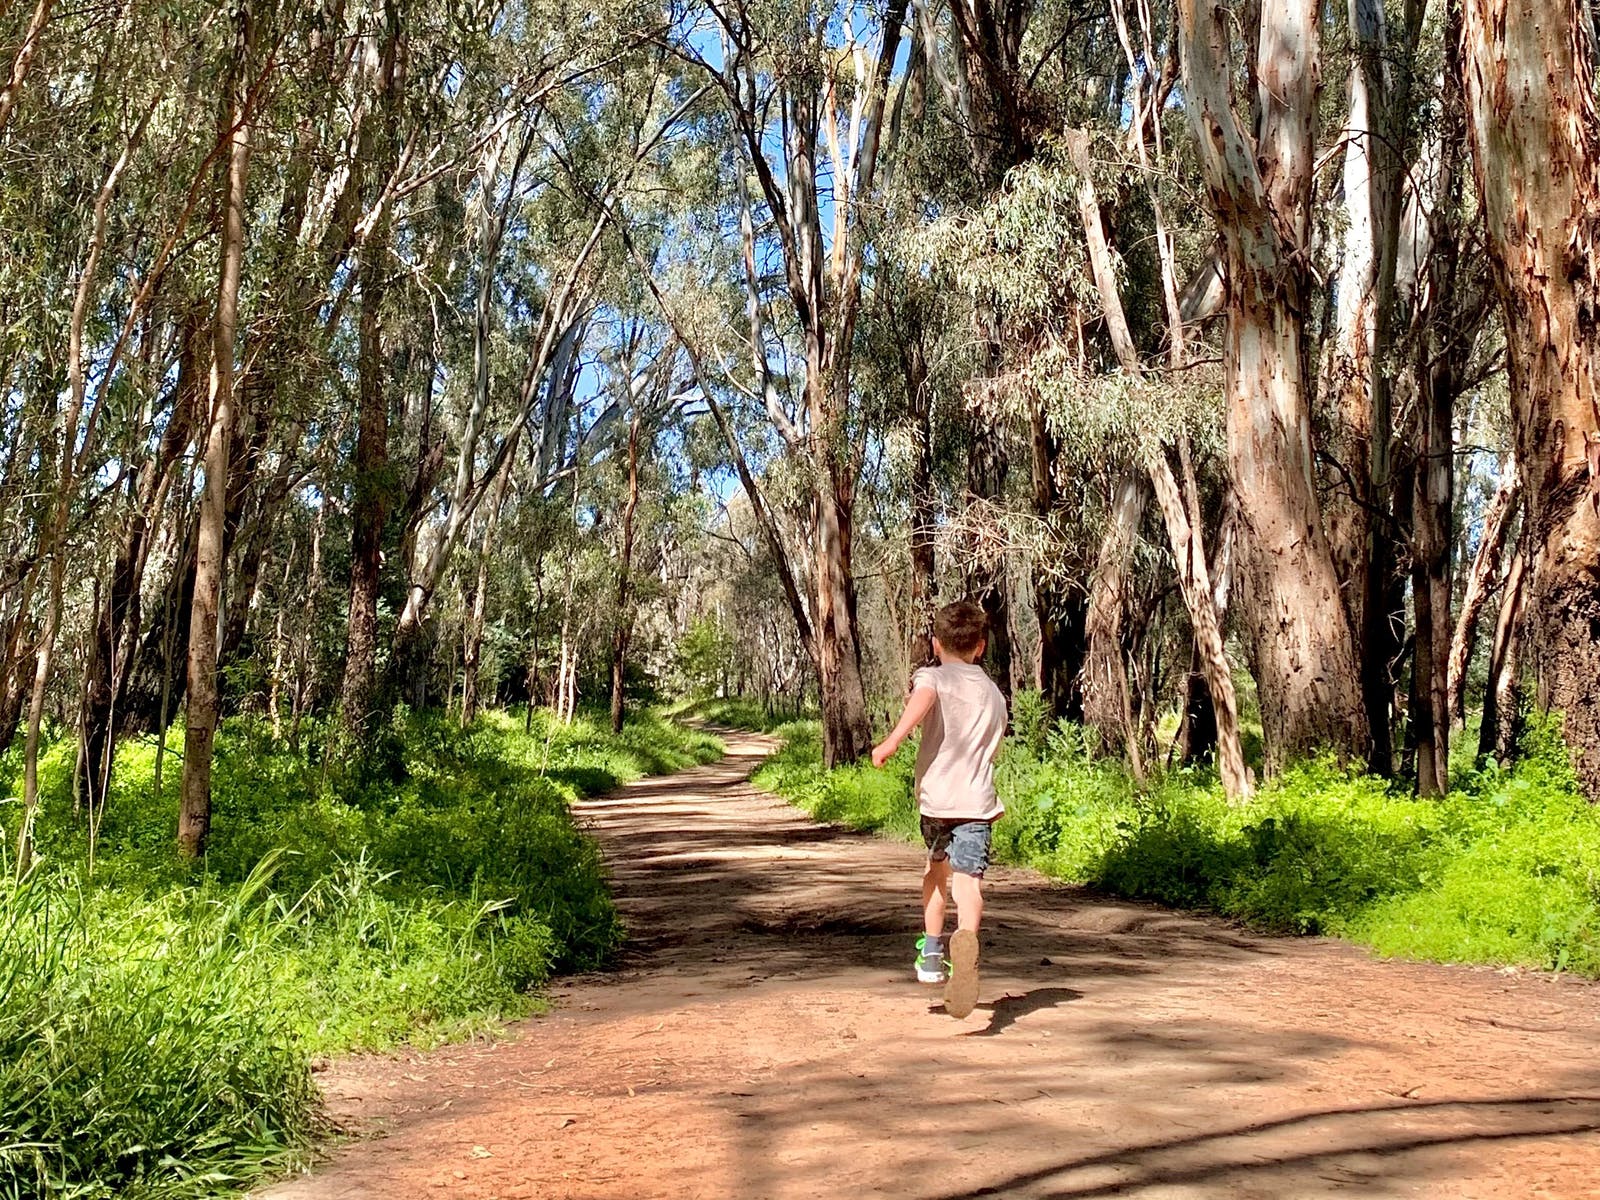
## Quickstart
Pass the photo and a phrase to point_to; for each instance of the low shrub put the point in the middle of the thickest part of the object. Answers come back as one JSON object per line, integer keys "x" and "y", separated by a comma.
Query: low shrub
{"x": 1504, "y": 870}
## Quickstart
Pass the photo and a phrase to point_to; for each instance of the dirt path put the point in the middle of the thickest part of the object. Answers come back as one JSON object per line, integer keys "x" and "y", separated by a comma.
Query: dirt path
{"x": 763, "y": 1040}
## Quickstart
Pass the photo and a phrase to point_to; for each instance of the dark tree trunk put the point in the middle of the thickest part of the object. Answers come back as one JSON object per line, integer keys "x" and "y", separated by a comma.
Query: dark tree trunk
{"x": 1430, "y": 577}
{"x": 373, "y": 486}
{"x": 1197, "y": 732}
{"x": 846, "y": 729}
{"x": 623, "y": 632}
{"x": 987, "y": 467}
{"x": 370, "y": 508}
{"x": 1061, "y": 606}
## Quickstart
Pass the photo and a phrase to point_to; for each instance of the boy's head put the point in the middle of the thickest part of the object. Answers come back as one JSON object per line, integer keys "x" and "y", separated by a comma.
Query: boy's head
{"x": 960, "y": 631}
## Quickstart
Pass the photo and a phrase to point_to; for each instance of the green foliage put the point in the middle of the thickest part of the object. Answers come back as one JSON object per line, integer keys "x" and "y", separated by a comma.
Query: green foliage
{"x": 737, "y": 712}
{"x": 142, "y": 1046}
{"x": 854, "y": 795}
{"x": 157, "y": 1019}
{"x": 1504, "y": 870}
{"x": 703, "y": 657}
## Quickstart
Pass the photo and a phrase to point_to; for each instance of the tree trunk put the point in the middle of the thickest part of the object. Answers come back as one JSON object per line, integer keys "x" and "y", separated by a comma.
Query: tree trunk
{"x": 1481, "y": 583}
{"x": 623, "y": 631}
{"x": 370, "y": 508}
{"x": 1196, "y": 740}
{"x": 1181, "y": 511}
{"x": 373, "y": 484}
{"x": 1357, "y": 381}
{"x": 472, "y": 635}
{"x": 924, "y": 501}
{"x": 1197, "y": 731}
{"x": 1528, "y": 68}
{"x": 987, "y": 467}
{"x": 846, "y": 729}
{"x": 200, "y": 724}
{"x": 1502, "y": 695}
{"x": 1061, "y": 607}
{"x": 1304, "y": 650}
{"x": 1107, "y": 702}
{"x": 1430, "y": 582}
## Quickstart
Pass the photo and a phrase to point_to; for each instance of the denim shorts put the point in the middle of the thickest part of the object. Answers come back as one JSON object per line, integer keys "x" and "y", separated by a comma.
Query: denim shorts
{"x": 964, "y": 843}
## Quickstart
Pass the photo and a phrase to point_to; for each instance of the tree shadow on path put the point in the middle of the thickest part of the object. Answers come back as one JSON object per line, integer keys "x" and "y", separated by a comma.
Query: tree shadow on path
{"x": 1378, "y": 1131}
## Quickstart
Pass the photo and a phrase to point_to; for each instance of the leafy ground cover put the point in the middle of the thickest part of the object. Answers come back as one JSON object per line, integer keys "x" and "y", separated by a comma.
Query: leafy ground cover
{"x": 1505, "y": 870}
{"x": 158, "y": 1020}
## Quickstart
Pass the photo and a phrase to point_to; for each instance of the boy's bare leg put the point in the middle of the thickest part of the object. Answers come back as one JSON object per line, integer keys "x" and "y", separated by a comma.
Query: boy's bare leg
{"x": 961, "y": 988}
{"x": 935, "y": 892}
{"x": 967, "y": 891}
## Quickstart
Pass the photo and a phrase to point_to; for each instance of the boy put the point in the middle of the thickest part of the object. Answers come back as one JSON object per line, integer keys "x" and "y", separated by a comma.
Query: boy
{"x": 963, "y": 719}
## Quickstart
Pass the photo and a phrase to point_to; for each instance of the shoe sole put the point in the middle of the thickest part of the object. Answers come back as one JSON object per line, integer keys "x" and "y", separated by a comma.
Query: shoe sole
{"x": 961, "y": 992}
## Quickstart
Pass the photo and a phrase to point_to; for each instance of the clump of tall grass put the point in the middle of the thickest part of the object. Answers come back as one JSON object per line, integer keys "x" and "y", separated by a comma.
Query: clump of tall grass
{"x": 1503, "y": 870}
{"x": 142, "y": 1046}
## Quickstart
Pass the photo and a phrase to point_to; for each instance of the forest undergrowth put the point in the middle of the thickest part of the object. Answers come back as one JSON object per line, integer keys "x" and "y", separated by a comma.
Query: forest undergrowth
{"x": 159, "y": 1022}
{"x": 1504, "y": 870}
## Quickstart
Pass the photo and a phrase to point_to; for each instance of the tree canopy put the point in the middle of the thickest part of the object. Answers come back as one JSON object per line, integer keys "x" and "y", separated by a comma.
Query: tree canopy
{"x": 1239, "y": 358}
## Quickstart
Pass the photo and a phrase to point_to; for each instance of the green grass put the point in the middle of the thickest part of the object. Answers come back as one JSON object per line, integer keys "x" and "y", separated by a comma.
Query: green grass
{"x": 158, "y": 1019}
{"x": 1505, "y": 870}
{"x": 737, "y": 712}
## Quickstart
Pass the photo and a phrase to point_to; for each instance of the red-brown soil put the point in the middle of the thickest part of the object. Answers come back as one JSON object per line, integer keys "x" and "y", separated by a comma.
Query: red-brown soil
{"x": 764, "y": 1038}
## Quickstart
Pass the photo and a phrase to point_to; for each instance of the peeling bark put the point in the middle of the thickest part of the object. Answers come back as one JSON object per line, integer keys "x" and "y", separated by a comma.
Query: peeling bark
{"x": 1260, "y": 188}
{"x": 1528, "y": 76}
{"x": 1107, "y": 698}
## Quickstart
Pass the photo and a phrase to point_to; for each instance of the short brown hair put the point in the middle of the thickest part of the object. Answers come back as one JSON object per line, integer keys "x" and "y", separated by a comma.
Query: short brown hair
{"x": 961, "y": 627}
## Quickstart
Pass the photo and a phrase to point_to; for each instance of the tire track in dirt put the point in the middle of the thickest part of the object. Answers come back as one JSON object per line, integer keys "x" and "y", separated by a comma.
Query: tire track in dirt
{"x": 763, "y": 1039}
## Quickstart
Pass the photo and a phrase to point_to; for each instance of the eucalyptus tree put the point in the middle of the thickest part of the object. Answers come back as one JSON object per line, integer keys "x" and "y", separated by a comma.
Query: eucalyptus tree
{"x": 1528, "y": 72}
{"x": 1258, "y": 167}
{"x": 203, "y": 712}
{"x": 807, "y": 96}
{"x": 550, "y": 170}
{"x": 1355, "y": 376}
{"x": 374, "y": 165}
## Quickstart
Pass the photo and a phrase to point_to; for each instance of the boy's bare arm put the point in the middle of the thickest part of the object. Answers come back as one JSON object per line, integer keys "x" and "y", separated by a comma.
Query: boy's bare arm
{"x": 917, "y": 707}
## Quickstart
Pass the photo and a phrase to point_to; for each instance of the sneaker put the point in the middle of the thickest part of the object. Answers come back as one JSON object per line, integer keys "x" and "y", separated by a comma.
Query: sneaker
{"x": 961, "y": 991}
{"x": 930, "y": 967}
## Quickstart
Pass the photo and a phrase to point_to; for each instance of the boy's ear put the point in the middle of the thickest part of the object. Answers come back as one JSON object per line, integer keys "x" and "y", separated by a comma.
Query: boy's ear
{"x": 938, "y": 649}
{"x": 983, "y": 644}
